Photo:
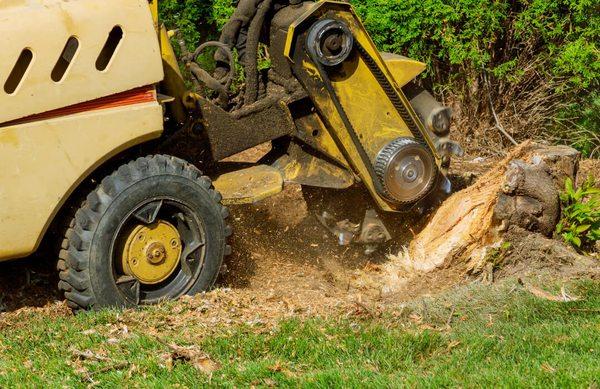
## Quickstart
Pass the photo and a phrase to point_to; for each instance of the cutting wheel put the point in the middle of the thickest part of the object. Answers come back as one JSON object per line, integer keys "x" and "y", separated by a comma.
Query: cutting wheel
{"x": 407, "y": 170}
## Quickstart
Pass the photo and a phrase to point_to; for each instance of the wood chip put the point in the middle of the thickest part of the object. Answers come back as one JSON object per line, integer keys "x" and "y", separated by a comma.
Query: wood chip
{"x": 564, "y": 297}
{"x": 193, "y": 355}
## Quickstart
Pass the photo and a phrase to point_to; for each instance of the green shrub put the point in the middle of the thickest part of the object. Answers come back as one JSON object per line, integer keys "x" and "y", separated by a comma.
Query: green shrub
{"x": 580, "y": 222}
{"x": 197, "y": 20}
{"x": 537, "y": 60}
{"x": 582, "y": 133}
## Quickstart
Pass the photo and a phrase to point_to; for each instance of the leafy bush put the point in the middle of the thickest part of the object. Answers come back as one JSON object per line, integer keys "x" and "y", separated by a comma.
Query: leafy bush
{"x": 537, "y": 61}
{"x": 583, "y": 134}
{"x": 197, "y": 20}
{"x": 580, "y": 222}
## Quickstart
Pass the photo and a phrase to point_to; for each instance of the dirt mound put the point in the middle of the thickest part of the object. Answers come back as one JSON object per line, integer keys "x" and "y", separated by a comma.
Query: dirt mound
{"x": 530, "y": 255}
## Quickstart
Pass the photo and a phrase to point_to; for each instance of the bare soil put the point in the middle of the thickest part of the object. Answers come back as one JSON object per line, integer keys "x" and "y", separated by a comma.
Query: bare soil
{"x": 286, "y": 264}
{"x": 587, "y": 168}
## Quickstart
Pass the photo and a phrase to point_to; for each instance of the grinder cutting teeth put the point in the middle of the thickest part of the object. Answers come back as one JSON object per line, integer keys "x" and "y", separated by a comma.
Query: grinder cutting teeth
{"x": 407, "y": 170}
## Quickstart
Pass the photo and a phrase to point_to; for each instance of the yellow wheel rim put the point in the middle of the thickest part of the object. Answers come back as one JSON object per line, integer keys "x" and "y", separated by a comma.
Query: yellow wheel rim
{"x": 152, "y": 252}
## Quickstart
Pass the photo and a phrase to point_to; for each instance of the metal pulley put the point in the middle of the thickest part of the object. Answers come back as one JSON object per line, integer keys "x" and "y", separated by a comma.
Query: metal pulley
{"x": 407, "y": 170}
{"x": 330, "y": 42}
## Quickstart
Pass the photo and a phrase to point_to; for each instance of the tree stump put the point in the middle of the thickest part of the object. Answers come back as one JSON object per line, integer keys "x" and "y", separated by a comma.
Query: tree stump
{"x": 522, "y": 190}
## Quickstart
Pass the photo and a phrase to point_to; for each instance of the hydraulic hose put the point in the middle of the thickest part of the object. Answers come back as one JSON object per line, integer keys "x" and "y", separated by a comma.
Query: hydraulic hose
{"x": 207, "y": 79}
{"x": 233, "y": 31}
{"x": 254, "y": 32}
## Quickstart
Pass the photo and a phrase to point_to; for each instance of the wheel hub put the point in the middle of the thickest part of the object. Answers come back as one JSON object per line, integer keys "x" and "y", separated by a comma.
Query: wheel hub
{"x": 152, "y": 252}
{"x": 410, "y": 169}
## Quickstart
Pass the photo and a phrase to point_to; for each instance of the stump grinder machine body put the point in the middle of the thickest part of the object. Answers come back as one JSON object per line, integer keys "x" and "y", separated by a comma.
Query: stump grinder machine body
{"x": 93, "y": 91}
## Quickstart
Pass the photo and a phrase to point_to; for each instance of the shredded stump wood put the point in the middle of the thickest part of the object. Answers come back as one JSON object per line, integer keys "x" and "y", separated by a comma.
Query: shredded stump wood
{"x": 521, "y": 190}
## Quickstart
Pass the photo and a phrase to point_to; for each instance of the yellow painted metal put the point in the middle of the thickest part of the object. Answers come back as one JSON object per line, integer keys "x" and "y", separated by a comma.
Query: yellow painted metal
{"x": 289, "y": 42}
{"x": 371, "y": 113}
{"x": 151, "y": 253}
{"x": 26, "y": 24}
{"x": 154, "y": 11}
{"x": 43, "y": 162}
{"x": 369, "y": 110}
{"x": 377, "y": 109}
{"x": 316, "y": 134}
{"x": 402, "y": 68}
{"x": 249, "y": 185}
{"x": 305, "y": 169}
{"x": 191, "y": 101}
{"x": 173, "y": 83}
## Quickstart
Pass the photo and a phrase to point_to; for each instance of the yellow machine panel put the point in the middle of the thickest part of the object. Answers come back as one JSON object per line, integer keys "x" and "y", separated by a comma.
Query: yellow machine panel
{"x": 61, "y": 53}
{"x": 44, "y": 161}
{"x": 402, "y": 68}
{"x": 76, "y": 88}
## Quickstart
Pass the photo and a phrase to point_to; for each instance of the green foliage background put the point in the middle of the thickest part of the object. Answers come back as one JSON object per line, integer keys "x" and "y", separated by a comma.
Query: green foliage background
{"x": 580, "y": 221}
{"x": 537, "y": 60}
{"x": 197, "y": 20}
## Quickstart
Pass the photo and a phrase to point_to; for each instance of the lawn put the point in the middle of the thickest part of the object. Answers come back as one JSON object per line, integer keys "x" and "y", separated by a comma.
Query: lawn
{"x": 476, "y": 337}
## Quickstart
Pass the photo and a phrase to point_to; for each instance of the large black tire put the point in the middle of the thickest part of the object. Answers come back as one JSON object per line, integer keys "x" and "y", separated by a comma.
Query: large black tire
{"x": 87, "y": 270}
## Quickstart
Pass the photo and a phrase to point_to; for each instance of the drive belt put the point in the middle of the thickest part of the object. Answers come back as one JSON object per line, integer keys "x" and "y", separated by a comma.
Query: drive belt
{"x": 364, "y": 156}
{"x": 392, "y": 95}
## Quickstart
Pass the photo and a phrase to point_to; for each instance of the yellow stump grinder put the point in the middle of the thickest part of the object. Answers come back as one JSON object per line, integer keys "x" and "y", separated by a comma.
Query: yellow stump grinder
{"x": 93, "y": 91}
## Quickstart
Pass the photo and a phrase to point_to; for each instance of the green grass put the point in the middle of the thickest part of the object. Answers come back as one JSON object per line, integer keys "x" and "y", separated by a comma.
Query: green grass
{"x": 497, "y": 337}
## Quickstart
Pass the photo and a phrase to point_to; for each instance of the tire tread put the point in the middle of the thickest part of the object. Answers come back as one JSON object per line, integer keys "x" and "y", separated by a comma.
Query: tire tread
{"x": 73, "y": 264}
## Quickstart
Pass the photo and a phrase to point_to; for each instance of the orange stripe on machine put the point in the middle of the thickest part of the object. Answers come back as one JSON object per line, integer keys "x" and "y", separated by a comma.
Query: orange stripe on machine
{"x": 140, "y": 95}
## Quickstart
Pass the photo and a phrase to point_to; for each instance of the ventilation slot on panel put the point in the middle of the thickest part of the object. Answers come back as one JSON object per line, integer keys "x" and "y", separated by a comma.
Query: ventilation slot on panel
{"x": 18, "y": 72}
{"x": 110, "y": 47}
{"x": 65, "y": 59}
